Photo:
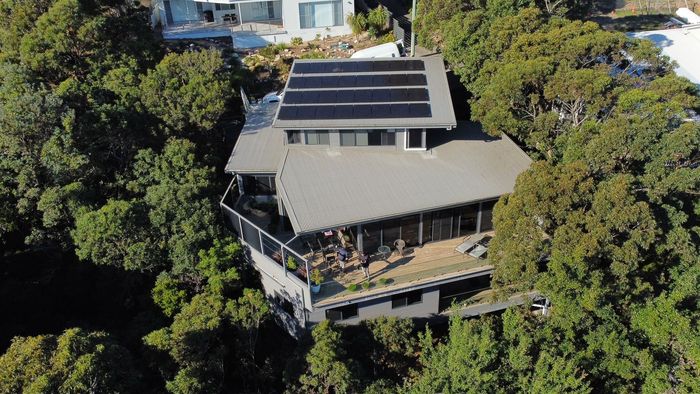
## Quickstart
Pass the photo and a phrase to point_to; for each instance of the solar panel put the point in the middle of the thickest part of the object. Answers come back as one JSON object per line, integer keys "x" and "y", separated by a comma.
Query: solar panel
{"x": 360, "y": 111}
{"x": 359, "y": 81}
{"x": 358, "y": 66}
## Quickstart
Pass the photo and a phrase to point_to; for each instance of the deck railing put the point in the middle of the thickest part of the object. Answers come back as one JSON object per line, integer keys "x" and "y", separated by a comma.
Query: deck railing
{"x": 264, "y": 243}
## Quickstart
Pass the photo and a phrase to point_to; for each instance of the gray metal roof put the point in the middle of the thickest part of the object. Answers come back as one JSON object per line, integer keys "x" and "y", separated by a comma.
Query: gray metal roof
{"x": 259, "y": 147}
{"x": 326, "y": 188}
{"x": 358, "y": 113}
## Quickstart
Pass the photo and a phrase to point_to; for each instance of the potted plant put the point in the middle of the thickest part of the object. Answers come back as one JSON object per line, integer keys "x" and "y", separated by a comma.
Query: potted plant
{"x": 316, "y": 280}
{"x": 292, "y": 264}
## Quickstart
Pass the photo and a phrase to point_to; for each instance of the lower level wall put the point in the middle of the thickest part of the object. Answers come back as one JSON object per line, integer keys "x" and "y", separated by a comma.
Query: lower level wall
{"x": 428, "y": 307}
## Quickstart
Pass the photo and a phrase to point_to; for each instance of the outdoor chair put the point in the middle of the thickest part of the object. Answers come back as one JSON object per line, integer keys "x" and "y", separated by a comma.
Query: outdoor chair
{"x": 400, "y": 244}
{"x": 469, "y": 243}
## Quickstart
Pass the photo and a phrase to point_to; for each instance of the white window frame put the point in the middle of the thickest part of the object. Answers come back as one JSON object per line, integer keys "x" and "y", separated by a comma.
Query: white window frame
{"x": 423, "y": 140}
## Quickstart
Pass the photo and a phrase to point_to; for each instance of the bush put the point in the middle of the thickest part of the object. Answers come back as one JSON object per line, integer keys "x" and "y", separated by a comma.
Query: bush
{"x": 366, "y": 285}
{"x": 373, "y": 32}
{"x": 316, "y": 277}
{"x": 314, "y": 55}
{"x": 383, "y": 281}
{"x": 357, "y": 22}
{"x": 378, "y": 17}
{"x": 352, "y": 287}
{"x": 292, "y": 264}
{"x": 296, "y": 41}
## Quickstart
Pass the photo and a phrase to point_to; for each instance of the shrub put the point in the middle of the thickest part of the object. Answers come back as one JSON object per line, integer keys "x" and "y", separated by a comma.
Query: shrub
{"x": 352, "y": 287}
{"x": 292, "y": 264}
{"x": 383, "y": 281}
{"x": 366, "y": 285}
{"x": 316, "y": 277}
{"x": 373, "y": 32}
{"x": 378, "y": 17}
{"x": 297, "y": 41}
{"x": 357, "y": 22}
{"x": 314, "y": 55}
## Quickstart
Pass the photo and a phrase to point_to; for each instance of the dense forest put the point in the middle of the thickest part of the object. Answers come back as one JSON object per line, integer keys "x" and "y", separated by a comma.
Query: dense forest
{"x": 118, "y": 275}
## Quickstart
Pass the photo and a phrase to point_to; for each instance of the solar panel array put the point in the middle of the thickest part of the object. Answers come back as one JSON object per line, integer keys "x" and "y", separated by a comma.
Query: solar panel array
{"x": 358, "y": 66}
{"x": 358, "y": 111}
{"x": 357, "y": 89}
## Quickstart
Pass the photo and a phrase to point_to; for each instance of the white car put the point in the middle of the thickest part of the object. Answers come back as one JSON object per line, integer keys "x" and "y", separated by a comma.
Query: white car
{"x": 390, "y": 49}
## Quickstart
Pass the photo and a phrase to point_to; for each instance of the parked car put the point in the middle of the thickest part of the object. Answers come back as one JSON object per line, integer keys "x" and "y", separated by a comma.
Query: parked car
{"x": 390, "y": 49}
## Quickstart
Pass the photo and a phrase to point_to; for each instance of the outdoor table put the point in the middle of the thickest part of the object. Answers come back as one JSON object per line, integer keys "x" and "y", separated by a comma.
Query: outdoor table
{"x": 385, "y": 251}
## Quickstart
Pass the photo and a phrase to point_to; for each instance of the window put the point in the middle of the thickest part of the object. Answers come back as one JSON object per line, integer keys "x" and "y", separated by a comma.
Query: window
{"x": 224, "y": 7}
{"x": 415, "y": 139}
{"x": 487, "y": 215}
{"x": 321, "y": 14}
{"x": 342, "y": 313}
{"x": 405, "y": 299}
{"x": 317, "y": 137}
{"x": 294, "y": 137}
{"x": 367, "y": 138}
{"x": 259, "y": 185}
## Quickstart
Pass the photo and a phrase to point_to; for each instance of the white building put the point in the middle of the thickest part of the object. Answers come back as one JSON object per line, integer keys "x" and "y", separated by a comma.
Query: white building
{"x": 681, "y": 44}
{"x": 252, "y": 23}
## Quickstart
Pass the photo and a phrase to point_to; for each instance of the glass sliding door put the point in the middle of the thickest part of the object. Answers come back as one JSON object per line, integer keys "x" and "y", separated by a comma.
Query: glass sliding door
{"x": 487, "y": 215}
{"x": 467, "y": 219}
{"x": 409, "y": 229}
{"x": 442, "y": 225}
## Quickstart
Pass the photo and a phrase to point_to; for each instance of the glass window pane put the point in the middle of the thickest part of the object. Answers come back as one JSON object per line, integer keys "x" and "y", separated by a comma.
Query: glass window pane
{"x": 409, "y": 230}
{"x": 467, "y": 219}
{"x": 374, "y": 138}
{"x": 323, "y": 138}
{"x": 487, "y": 215}
{"x": 415, "y": 138}
{"x": 391, "y": 231}
{"x": 371, "y": 237}
{"x": 347, "y": 138}
{"x": 361, "y": 138}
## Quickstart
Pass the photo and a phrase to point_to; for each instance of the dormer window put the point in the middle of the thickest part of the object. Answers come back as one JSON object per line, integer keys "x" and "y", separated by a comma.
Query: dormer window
{"x": 367, "y": 138}
{"x": 415, "y": 139}
{"x": 317, "y": 137}
{"x": 294, "y": 136}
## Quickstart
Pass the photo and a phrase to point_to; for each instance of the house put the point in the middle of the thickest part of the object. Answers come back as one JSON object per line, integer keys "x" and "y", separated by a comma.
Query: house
{"x": 366, "y": 154}
{"x": 680, "y": 44}
{"x": 252, "y": 23}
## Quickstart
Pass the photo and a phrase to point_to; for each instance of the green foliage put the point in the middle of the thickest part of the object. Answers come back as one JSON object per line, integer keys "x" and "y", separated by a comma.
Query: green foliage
{"x": 75, "y": 361}
{"x": 292, "y": 264}
{"x": 316, "y": 277}
{"x": 326, "y": 369}
{"x": 353, "y": 287}
{"x": 187, "y": 91}
{"x": 378, "y": 18}
{"x": 358, "y": 22}
{"x": 117, "y": 234}
{"x": 366, "y": 285}
{"x": 296, "y": 41}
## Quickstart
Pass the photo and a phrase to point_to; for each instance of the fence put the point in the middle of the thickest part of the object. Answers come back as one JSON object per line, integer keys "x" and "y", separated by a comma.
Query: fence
{"x": 261, "y": 241}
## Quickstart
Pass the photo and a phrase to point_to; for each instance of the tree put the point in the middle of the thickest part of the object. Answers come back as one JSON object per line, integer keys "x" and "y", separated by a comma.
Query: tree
{"x": 195, "y": 343}
{"x": 117, "y": 234}
{"x": 326, "y": 367}
{"x": 75, "y": 361}
{"x": 187, "y": 91}
{"x": 465, "y": 363}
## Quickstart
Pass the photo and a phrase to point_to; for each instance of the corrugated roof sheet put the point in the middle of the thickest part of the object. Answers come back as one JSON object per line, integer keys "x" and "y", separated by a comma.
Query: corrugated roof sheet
{"x": 259, "y": 147}
{"x": 325, "y": 188}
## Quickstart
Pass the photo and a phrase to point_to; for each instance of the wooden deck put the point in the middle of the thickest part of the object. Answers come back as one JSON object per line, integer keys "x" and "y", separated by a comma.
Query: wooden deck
{"x": 432, "y": 261}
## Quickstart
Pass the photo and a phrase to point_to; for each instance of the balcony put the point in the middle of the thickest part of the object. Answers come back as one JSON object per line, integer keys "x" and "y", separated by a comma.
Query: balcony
{"x": 434, "y": 261}
{"x": 203, "y": 29}
{"x": 258, "y": 225}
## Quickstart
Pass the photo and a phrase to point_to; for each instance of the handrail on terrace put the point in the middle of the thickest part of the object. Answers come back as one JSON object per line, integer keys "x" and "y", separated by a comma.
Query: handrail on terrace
{"x": 263, "y": 242}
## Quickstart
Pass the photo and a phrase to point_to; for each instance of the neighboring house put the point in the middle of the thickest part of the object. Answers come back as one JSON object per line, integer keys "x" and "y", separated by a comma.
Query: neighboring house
{"x": 681, "y": 44}
{"x": 252, "y": 23}
{"x": 367, "y": 154}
